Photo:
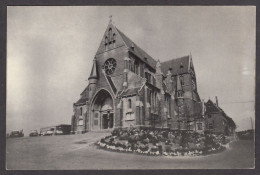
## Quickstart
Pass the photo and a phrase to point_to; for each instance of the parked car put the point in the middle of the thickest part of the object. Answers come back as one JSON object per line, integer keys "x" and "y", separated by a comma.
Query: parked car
{"x": 33, "y": 133}
{"x": 58, "y": 132}
{"x": 16, "y": 134}
{"x": 48, "y": 133}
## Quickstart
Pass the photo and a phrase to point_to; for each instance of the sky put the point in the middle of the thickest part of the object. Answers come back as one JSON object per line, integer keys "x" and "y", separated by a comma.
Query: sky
{"x": 50, "y": 51}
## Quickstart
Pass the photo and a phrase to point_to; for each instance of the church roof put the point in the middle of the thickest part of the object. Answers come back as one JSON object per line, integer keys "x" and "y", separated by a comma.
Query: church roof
{"x": 83, "y": 96}
{"x": 129, "y": 92}
{"x": 177, "y": 65}
{"x": 211, "y": 107}
{"x": 137, "y": 50}
{"x": 82, "y": 100}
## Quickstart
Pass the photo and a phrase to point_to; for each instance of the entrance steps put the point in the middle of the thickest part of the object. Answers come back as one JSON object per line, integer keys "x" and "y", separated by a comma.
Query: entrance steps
{"x": 103, "y": 131}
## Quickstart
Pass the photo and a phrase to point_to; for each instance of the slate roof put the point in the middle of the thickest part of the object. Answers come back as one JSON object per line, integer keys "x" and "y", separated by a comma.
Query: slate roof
{"x": 84, "y": 96}
{"x": 137, "y": 50}
{"x": 132, "y": 91}
{"x": 175, "y": 65}
{"x": 118, "y": 81}
{"x": 211, "y": 107}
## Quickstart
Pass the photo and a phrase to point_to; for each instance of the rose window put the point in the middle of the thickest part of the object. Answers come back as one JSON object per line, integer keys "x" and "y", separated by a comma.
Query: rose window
{"x": 110, "y": 66}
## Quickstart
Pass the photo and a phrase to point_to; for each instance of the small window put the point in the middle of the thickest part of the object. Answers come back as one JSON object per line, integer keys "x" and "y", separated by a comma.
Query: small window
{"x": 181, "y": 66}
{"x": 130, "y": 104}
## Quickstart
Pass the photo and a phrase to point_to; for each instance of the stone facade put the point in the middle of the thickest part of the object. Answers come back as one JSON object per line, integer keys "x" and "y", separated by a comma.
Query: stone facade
{"x": 129, "y": 88}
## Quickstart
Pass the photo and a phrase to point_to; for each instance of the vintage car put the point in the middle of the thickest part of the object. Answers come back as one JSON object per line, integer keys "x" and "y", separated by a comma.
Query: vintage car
{"x": 33, "y": 133}
{"x": 16, "y": 134}
{"x": 48, "y": 133}
{"x": 58, "y": 132}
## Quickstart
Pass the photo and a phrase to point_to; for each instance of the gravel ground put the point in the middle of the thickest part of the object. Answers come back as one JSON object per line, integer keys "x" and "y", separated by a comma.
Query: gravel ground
{"x": 79, "y": 152}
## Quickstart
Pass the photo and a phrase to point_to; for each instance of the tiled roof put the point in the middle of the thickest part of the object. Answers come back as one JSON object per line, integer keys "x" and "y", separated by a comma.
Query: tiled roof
{"x": 137, "y": 50}
{"x": 178, "y": 65}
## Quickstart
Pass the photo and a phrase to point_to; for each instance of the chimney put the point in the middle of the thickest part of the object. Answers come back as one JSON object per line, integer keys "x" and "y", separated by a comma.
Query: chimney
{"x": 217, "y": 101}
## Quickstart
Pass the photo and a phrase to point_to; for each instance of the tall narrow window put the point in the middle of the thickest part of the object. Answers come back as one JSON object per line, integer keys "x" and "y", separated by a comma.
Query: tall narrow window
{"x": 155, "y": 99}
{"x": 136, "y": 67}
{"x": 129, "y": 103}
{"x": 182, "y": 80}
{"x": 81, "y": 111}
{"x": 149, "y": 96}
{"x": 114, "y": 37}
{"x": 110, "y": 34}
{"x": 148, "y": 77}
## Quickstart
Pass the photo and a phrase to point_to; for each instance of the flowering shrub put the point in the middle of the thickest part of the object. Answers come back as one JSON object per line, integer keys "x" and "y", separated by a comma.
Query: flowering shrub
{"x": 166, "y": 143}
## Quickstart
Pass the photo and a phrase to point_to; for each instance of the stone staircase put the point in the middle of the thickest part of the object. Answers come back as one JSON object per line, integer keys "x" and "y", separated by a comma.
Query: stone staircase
{"x": 103, "y": 131}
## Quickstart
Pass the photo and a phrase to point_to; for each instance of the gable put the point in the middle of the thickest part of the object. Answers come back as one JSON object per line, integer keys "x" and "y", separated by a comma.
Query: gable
{"x": 111, "y": 39}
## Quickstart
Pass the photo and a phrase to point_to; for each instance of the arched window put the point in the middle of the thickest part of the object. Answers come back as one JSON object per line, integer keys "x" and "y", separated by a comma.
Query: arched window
{"x": 129, "y": 103}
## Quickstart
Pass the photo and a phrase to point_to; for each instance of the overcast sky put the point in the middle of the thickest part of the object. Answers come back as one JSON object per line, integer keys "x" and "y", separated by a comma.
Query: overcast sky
{"x": 50, "y": 52}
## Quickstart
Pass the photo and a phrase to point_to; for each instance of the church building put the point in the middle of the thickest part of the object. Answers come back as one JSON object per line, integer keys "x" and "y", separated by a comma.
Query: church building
{"x": 129, "y": 88}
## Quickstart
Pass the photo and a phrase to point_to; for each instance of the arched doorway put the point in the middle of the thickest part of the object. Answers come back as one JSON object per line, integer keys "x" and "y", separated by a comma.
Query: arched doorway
{"x": 102, "y": 111}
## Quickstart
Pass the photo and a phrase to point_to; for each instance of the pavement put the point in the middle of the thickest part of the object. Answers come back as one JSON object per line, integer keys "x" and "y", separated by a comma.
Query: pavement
{"x": 76, "y": 152}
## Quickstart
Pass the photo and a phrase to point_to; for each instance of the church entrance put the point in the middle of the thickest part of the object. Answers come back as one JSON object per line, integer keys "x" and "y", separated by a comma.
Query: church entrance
{"x": 103, "y": 111}
{"x": 107, "y": 121}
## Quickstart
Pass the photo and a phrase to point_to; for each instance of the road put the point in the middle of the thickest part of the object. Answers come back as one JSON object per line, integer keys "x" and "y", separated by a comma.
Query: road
{"x": 79, "y": 152}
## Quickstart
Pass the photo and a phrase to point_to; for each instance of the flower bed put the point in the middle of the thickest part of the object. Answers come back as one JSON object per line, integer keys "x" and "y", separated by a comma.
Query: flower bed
{"x": 162, "y": 143}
